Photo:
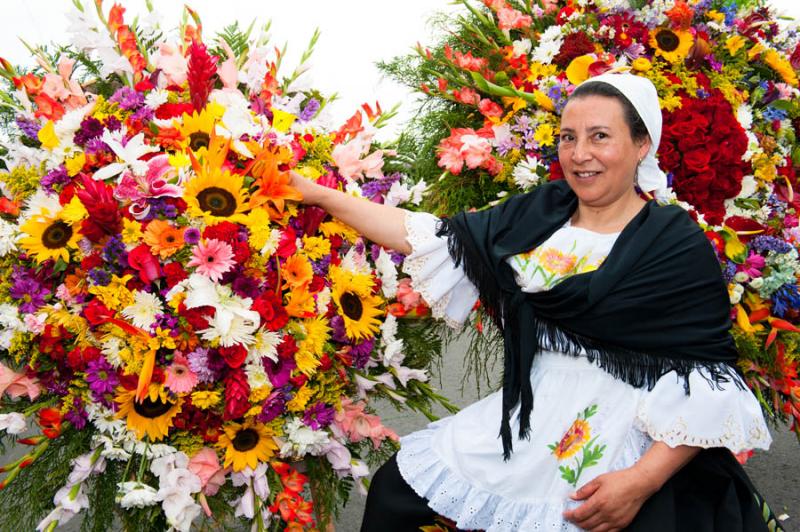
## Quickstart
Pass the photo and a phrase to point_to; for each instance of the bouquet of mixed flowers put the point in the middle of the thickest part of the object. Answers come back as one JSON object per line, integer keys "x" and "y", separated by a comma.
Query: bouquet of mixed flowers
{"x": 727, "y": 77}
{"x": 180, "y": 328}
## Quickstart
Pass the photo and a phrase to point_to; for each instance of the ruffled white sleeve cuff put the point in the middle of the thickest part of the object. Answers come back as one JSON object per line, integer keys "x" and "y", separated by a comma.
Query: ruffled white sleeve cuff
{"x": 725, "y": 415}
{"x": 443, "y": 286}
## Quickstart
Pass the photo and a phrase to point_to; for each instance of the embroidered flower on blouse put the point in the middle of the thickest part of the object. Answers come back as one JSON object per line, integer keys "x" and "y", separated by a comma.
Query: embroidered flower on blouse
{"x": 578, "y": 437}
{"x": 555, "y": 261}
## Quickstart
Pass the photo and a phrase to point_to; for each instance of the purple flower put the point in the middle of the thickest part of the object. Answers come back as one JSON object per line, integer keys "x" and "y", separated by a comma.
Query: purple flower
{"x": 29, "y": 128}
{"x": 114, "y": 252}
{"x": 101, "y": 377}
{"x": 191, "y": 236}
{"x": 763, "y": 243}
{"x": 95, "y": 146}
{"x": 99, "y": 277}
{"x": 273, "y": 407}
{"x": 361, "y": 352}
{"x": 339, "y": 335}
{"x": 280, "y": 371}
{"x": 318, "y": 416}
{"x": 309, "y": 110}
{"x": 320, "y": 267}
{"x": 113, "y": 123}
{"x": 28, "y": 290}
{"x": 245, "y": 286}
{"x": 206, "y": 364}
{"x": 56, "y": 176}
{"x": 91, "y": 128}
{"x": 144, "y": 114}
{"x": 127, "y": 98}
{"x": 77, "y": 415}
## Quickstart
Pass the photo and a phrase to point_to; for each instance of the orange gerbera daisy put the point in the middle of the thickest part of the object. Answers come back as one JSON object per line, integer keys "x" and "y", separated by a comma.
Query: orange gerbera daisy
{"x": 297, "y": 271}
{"x": 163, "y": 238}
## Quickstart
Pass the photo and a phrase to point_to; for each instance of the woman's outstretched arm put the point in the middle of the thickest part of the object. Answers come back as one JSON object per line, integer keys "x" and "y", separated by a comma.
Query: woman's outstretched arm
{"x": 382, "y": 224}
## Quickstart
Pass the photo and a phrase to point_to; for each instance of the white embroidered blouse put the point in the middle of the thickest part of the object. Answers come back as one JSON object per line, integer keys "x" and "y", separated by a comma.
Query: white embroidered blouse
{"x": 584, "y": 422}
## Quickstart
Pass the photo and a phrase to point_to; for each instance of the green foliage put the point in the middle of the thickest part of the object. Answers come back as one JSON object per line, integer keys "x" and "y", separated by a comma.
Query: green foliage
{"x": 101, "y": 490}
{"x": 235, "y": 37}
{"x": 330, "y": 493}
{"x": 27, "y": 499}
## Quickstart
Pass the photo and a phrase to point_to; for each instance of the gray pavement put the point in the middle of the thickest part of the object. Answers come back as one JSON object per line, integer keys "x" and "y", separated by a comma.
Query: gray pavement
{"x": 776, "y": 473}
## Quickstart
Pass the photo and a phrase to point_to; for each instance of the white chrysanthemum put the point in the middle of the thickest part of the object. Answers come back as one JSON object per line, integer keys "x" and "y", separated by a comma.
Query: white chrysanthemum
{"x": 753, "y": 146}
{"x": 256, "y": 375}
{"x": 302, "y": 440}
{"x": 103, "y": 419}
{"x": 549, "y": 45}
{"x": 144, "y": 309}
{"x": 389, "y": 328}
{"x": 522, "y": 47}
{"x": 111, "y": 451}
{"x": 355, "y": 262}
{"x": 265, "y": 344}
{"x": 8, "y": 238}
{"x": 393, "y": 355}
{"x": 41, "y": 203}
{"x": 136, "y": 494}
{"x": 156, "y": 98}
{"x": 744, "y": 114}
{"x": 9, "y": 317}
{"x": 387, "y": 271}
{"x": 111, "y": 347}
{"x": 272, "y": 243}
{"x": 526, "y": 174}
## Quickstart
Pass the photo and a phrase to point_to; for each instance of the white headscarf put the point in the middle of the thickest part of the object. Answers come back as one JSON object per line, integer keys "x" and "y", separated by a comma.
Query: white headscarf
{"x": 643, "y": 96}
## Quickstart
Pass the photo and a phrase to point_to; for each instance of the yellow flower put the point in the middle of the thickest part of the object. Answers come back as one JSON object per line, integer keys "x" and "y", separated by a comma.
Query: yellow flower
{"x": 335, "y": 227}
{"x": 672, "y": 45}
{"x": 75, "y": 164}
{"x": 317, "y": 333}
{"x": 151, "y": 417}
{"x": 543, "y": 101}
{"x": 115, "y": 295}
{"x": 74, "y": 211}
{"x": 716, "y": 16}
{"x": 307, "y": 362}
{"x": 780, "y": 65}
{"x": 259, "y": 394}
{"x": 515, "y": 103}
{"x": 641, "y": 64}
{"x": 258, "y": 221}
{"x": 545, "y": 135}
{"x": 755, "y": 51}
{"x": 216, "y": 195}
{"x": 355, "y": 303}
{"x": 196, "y": 129}
{"x": 205, "y": 399}
{"x": 300, "y": 399}
{"x": 578, "y": 69}
{"x": 47, "y": 136}
{"x": 246, "y": 444}
{"x": 573, "y": 440}
{"x": 316, "y": 247}
{"x": 281, "y": 120}
{"x": 734, "y": 44}
{"x": 49, "y": 237}
{"x": 131, "y": 232}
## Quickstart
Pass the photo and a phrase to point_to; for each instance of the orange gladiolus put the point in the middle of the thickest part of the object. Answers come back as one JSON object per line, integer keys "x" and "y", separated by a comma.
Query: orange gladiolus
{"x": 50, "y": 421}
{"x": 31, "y": 83}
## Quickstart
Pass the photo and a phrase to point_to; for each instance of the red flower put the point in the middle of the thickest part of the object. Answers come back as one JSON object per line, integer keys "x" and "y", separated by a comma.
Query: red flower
{"x": 50, "y": 422}
{"x": 234, "y": 355}
{"x": 143, "y": 261}
{"x": 271, "y": 310}
{"x": 224, "y": 231}
{"x": 627, "y": 30}
{"x": 78, "y": 358}
{"x": 237, "y": 393}
{"x": 574, "y": 45}
{"x": 174, "y": 273}
{"x": 104, "y": 215}
{"x": 201, "y": 71}
{"x": 172, "y": 110}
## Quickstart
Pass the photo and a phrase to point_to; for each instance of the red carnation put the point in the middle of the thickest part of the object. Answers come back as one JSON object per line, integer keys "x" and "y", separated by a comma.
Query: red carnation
{"x": 172, "y": 110}
{"x": 234, "y": 355}
{"x": 574, "y": 45}
{"x": 224, "y": 231}
{"x": 273, "y": 314}
{"x": 174, "y": 273}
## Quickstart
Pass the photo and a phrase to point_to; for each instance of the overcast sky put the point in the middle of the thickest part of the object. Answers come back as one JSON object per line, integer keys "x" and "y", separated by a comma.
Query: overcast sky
{"x": 355, "y": 35}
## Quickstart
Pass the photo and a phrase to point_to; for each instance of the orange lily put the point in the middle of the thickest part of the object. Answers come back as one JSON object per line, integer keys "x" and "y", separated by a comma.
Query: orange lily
{"x": 272, "y": 184}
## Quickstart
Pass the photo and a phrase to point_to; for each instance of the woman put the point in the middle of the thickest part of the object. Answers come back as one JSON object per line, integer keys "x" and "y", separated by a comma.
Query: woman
{"x": 619, "y": 369}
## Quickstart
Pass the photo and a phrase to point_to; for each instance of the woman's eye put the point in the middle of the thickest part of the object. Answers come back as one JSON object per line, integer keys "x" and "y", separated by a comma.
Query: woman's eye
{"x": 600, "y": 135}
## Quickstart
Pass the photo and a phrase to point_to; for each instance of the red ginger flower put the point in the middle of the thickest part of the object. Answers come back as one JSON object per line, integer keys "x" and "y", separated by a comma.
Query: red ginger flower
{"x": 104, "y": 214}
{"x": 237, "y": 392}
{"x": 200, "y": 74}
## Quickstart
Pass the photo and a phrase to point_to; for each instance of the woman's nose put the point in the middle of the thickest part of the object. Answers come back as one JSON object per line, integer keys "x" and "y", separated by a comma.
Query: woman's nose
{"x": 580, "y": 151}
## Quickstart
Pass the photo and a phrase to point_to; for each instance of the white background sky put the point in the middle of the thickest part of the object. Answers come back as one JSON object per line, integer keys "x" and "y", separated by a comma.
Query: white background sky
{"x": 355, "y": 34}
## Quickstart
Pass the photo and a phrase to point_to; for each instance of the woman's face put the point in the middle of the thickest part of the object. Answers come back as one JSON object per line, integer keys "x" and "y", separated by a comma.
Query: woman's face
{"x": 596, "y": 150}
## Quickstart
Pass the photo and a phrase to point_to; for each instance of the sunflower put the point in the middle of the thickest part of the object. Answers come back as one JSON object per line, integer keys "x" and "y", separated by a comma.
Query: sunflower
{"x": 352, "y": 293}
{"x": 216, "y": 195}
{"x": 196, "y": 129}
{"x": 49, "y": 237}
{"x": 672, "y": 45}
{"x": 246, "y": 444}
{"x": 151, "y": 417}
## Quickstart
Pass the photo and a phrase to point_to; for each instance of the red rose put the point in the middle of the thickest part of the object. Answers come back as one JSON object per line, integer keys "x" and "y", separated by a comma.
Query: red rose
{"x": 234, "y": 356}
{"x": 271, "y": 310}
{"x": 697, "y": 160}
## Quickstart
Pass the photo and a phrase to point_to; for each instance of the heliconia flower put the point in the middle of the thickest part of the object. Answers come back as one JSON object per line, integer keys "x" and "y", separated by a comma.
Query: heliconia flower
{"x": 213, "y": 258}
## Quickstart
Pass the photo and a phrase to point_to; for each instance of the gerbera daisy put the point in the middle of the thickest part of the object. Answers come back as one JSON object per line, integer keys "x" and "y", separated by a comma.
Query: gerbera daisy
{"x": 216, "y": 195}
{"x": 672, "y": 45}
{"x": 355, "y": 302}
{"x": 163, "y": 238}
{"x": 49, "y": 237}
{"x": 246, "y": 444}
{"x": 214, "y": 258}
{"x": 179, "y": 378}
{"x": 297, "y": 271}
{"x": 151, "y": 417}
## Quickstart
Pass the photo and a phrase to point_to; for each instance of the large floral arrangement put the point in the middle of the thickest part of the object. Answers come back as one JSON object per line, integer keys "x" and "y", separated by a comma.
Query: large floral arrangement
{"x": 182, "y": 331}
{"x": 727, "y": 77}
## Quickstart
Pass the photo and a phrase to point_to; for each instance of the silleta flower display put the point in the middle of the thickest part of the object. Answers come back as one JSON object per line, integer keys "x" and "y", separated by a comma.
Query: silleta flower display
{"x": 183, "y": 332}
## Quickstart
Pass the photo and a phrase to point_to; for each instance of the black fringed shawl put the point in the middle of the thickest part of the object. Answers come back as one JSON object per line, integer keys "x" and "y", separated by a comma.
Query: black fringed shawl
{"x": 657, "y": 304}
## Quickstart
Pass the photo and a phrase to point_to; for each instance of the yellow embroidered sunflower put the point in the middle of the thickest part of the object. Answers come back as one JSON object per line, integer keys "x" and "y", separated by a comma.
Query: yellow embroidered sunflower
{"x": 672, "y": 45}
{"x": 216, "y": 195}
{"x": 246, "y": 444}
{"x": 573, "y": 440}
{"x": 151, "y": 417}
{"x": 355, "y": 303}
{"x": 49, "y": 237}
{"x": 555, "y": 261}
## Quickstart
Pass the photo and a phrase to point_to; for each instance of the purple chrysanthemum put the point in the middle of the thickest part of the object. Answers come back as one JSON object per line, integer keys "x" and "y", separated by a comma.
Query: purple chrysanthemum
{"x": 361, "y": 352}
{"x": 57, "y": 176}
{"x": 28, "y": 290}
{"x": 245, "y": 286}
{"x": 101, "y": 377}
{"x": 91, "y": 128}
{"x": 319, "y": 416}
{"x": 273, "y": 407}
{"x": 338, "y": 335}
{"x": 77, "y": 415}
{"x": 127, "y": 98}
{"x": 203, "y": 363}
{"x": 99, "y": 277}
{"x": 95, "y": 146}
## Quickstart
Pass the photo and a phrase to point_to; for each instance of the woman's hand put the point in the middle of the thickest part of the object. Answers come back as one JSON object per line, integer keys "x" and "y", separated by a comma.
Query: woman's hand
{"x": 611, "y": 500}
{"x": 312, "y": 192}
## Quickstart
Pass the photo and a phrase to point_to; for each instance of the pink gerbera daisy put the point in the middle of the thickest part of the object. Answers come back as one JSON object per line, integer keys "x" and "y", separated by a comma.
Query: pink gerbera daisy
{"x": 212, "y": 259}
{"x": 178, "y": 377}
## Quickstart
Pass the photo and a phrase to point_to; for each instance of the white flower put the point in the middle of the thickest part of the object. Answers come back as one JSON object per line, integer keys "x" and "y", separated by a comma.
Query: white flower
{"x": 265, "y": 345}
{"x": 339, "y": 457}
{"x": 144, "y": 309}
{"x": 40, "y": 204}
{"x": 405, "y": 374}
{"x": 134, "y": 494}
{"x": 110, "y": 347}
{"x": 744, "y": 114}
{"x": 129, "y": 154}
{"x": 525, "y": 173}
{"x": 156, "y": 98}
{"x": 272, "y": 243}
{"x": 13, "y": 423}
{"x": 180, "y": 509}
{"x": 355, "y": 262}
{"x": 256, "y": 375}
{"x": 521, "y": 47}
{"x": 233, "y": 322}
{"x": 757, "y": 283}
{"x": 389, "y": 328}
{"x": 59, "y": 515}
{"x": 9, "y": 318}
{"x": 549, "y": 45}
{"x": 85, "y": 465}
{"x": 387, "y": 271}
{"x": 393, "y": 354}
{"x": 164, "y": 465}
{"x": 9, "y": 234}
{"x": 302, "y": 440}
{"x": 323, "y": 300}
{"x": 73, "y": 502}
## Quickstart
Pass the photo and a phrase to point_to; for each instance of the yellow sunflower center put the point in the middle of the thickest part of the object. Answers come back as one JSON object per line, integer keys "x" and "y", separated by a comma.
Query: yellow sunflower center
{"x": 152, "y": 409}
{"x": 198, "y": 140}
{"x": 245, "y": 440}
{"x": 56, "y": 235}
{"x": 217, "y": 201}
{"x": 667, "y": 40}
{"x": 351, "y": 306}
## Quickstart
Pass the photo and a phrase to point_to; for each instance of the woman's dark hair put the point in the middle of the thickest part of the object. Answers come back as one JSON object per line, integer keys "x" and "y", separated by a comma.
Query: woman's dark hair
{"x": 632, "y": 118}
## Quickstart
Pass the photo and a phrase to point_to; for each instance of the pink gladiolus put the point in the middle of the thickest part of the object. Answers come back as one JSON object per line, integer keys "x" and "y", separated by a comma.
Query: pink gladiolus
{"x": 358, "y": 425}
{"x": 510, "y": 19}
{"x": 172, "y": 63}
{"x": 18, "y": 384}
{"x": 407, "y": 295}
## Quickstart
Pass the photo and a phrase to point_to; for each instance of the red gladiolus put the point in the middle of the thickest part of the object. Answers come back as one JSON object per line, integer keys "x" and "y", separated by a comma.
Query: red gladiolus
{"x": 50, "y": 422}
